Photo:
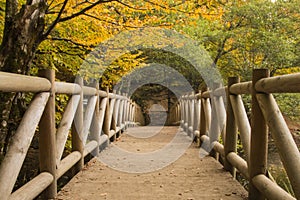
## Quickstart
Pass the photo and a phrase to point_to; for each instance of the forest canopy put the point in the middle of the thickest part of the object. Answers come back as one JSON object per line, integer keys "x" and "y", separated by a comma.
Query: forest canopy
{"x": 239, "y": 35}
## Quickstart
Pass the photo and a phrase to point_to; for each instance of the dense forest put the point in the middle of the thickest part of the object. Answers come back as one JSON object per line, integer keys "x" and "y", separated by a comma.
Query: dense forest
{"x": 238, "y": 35}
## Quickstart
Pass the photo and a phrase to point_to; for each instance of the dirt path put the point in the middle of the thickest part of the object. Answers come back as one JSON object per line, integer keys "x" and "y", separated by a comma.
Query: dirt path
{"x": 189, "y": 177}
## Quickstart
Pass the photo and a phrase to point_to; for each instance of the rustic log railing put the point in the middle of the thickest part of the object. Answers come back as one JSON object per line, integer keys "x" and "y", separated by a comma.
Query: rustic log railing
{"x": 204, "y": 115}
{"x": 93, "y": 123}
{"x": 95, "y": 117}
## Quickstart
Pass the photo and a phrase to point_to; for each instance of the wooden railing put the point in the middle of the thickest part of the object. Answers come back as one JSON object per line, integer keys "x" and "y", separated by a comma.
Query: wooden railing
{"x": 92, "y": 124}
{"x": 204, "y": 116}
{"x": 95, "y": 117}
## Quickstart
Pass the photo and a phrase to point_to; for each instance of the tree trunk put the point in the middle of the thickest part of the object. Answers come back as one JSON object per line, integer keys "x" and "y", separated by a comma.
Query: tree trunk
{"x": 23, "y": 32}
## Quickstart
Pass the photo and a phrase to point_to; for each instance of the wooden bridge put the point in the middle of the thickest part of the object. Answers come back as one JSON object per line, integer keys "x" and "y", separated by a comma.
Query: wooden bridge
{"x": 105, "y": 117}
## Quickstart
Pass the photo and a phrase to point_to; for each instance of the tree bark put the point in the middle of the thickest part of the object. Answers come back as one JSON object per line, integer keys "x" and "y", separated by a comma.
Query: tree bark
{"x": 23, "y": 32}
{"x": 22, "y": 35}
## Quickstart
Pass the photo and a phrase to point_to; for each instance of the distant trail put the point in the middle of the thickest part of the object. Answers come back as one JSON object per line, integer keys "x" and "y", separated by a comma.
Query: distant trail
{"x": 187, "y": 178}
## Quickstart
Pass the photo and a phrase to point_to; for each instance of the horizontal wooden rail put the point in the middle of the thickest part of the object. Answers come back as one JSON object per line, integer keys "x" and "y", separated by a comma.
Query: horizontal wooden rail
{"x": 33, "y": 188}
{"x": 238, "y": 163}
{"x": 221, "y": 91}
{"x": 218, "y": 147}
{"x": 67, "y": 88}
{"x": 206, "y": 94}
{"x": 270, "y": 189}
{"x": 89, "y": 91}
{"x": 68, "y": 162}
{"x": 279, "y": 84}
{"x": 21, "y": 83}
{"x": 199, "y": 95}
{"x": 91, "y": 146}
{"x": 241, "y": 88}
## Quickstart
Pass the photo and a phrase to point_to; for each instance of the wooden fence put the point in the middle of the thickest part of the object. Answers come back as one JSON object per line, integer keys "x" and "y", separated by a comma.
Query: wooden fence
{"x": 95, "y": 117}
{"x": 92, "y": 123}
{"x": 204, "y": 115}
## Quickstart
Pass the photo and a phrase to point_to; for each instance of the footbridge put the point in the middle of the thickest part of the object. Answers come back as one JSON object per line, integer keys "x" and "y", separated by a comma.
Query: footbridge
{"x": 111, "y": 157}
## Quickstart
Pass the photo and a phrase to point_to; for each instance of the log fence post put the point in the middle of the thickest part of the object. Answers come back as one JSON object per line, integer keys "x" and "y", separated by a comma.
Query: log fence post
{"x": 191, "y": 114}
{"x": 231, "y": 129}
{"x": 77, "y": 129}
{"x": 259, "y": 138}
{"x": 120, "y": 118}
{"x": 116, "y": 114}
{"x": 178, "y": 112}
{"x": 95, "y": 126}
{"x": 181, "y": 103}
{"x": 47, "y": 146}
{"x": 106, "y": 123}
{"x": 123, "y": 117}
{"x": 186, "y": 113}
{"x": 214, "y": 130}
{"x": 132, "y": 113}
{"x": 203, "y": 124}
{"x": 124, "y": 111}
{"x": 112, "y": 122}
{"x": 197, "y": 113}
{"x": 127, "y": 111}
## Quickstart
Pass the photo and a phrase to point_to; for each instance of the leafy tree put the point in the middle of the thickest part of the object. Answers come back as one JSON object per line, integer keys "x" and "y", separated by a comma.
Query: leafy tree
{"x": 59, "y": 33}
{"x": 256, "y": 34}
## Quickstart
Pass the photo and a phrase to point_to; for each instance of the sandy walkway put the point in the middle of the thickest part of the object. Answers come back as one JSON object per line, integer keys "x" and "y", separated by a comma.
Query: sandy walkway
{"x": 189, "y": 177}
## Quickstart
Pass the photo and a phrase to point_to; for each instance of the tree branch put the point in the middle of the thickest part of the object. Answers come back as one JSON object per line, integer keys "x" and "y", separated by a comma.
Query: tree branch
{"x": 81, "y": 12}
{"x": 173, "y": 7}
{"x": 52, "y": 8}
{"x": 109, "y": 22}
{"x": 50, "y": 4}
{"x": 56, "y": 20}
{"x": 51, "y": 12}
{"x": 71, "y": 54}
{"x": 71, "y": 41}
{"x": 125, "y": 26}
{"x": 80, "y": 55}
{"x": 220, "y": 50}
